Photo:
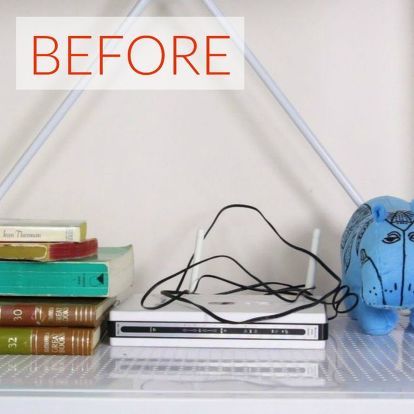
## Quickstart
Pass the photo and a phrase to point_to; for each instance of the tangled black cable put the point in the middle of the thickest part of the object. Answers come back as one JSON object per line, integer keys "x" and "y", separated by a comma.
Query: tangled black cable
{"x": 286, "y": 292}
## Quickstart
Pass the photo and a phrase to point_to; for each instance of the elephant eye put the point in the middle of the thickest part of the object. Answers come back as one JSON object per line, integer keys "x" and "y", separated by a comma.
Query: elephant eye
{"x": 393, "y": 237}
{"x": 411, "y": 236}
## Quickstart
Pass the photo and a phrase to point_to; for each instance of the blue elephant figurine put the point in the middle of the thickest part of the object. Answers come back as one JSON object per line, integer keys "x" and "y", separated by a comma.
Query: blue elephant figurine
{"x": 377, "y": 252}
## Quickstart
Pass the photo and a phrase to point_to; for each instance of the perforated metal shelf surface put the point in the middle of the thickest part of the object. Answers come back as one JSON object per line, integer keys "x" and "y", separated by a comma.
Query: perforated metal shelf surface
{"x": 353, "y": 367}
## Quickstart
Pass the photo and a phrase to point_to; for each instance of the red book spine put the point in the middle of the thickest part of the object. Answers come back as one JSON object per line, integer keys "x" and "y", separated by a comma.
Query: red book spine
{"x": 19, "y": 315}
{"x": 65, "y": 251}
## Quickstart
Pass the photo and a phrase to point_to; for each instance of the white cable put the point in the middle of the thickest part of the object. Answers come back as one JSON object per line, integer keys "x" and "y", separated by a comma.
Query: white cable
{"x": 58, "y": 115}
{"x": 286, "y": 104}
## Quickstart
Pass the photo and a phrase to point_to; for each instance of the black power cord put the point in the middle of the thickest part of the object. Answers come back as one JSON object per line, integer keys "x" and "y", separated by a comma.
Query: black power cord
{"x": 286, "y": 292}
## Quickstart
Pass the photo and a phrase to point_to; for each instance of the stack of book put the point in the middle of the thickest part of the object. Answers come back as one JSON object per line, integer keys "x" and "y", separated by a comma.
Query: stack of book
{"x": 56, "y": 287}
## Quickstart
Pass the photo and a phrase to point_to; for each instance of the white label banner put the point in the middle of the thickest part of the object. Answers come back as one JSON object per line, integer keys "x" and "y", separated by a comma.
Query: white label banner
{"x": 129, "y": 53}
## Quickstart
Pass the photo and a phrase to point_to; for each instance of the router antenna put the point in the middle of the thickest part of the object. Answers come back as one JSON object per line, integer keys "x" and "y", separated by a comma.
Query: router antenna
{"x": 311, "y": 274}
{"x": 197, "y": 257}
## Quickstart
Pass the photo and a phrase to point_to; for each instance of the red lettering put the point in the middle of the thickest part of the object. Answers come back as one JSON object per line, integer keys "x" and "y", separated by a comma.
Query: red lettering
{"x": 209, "y": 55}
{"x": 184, "y": 48}
{"x": 71, "y": 54}
{"x": 50, "y": 54}
{"x": 184, "y": 56}
{"x": 102, "y": 54}
{"x": 133, "y": 67}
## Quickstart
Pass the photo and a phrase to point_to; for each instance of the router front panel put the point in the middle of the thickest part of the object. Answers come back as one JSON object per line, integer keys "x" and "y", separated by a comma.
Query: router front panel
{"x": 181, "y": 325}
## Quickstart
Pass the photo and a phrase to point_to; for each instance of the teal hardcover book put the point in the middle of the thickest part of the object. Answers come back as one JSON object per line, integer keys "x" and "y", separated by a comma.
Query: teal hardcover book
{"x": 108, "y": 274}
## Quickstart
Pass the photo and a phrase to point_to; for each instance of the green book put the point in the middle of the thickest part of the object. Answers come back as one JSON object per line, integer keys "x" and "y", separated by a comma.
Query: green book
{"x": 110, "y": 273}
{"x": 49, "y": 340}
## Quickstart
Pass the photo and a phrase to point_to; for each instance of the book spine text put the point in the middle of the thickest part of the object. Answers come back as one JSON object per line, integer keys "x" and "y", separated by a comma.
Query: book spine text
{"x": 43, "y": 234}
{"x": 47, "y": 315}
{"x": 46, "y": 341}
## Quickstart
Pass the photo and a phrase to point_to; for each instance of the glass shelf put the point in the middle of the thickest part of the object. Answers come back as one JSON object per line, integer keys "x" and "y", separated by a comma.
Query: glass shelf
{"x": 356, "y": 369}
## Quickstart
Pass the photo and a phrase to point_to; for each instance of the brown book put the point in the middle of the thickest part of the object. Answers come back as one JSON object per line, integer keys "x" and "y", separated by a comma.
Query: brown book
{"x": 49, "y": 341}
{"x": 79, "y": 312}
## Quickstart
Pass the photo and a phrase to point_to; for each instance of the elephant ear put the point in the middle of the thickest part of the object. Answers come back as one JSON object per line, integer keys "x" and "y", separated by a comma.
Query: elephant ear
{"x": 379, "y": 213}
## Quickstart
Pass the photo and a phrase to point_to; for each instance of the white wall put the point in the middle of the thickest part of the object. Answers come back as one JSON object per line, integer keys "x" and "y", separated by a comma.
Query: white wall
{"x": 149, "y": 168}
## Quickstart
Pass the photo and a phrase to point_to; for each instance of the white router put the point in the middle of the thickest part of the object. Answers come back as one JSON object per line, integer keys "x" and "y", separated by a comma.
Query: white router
{"x": 183, "y": 325}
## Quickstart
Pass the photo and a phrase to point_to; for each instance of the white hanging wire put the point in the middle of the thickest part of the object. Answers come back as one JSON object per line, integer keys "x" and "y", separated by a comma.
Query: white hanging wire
{"x": 56, "y": 118}
{"x": 257, "y": 66}
{"x": 284, "y": 102}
